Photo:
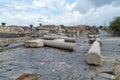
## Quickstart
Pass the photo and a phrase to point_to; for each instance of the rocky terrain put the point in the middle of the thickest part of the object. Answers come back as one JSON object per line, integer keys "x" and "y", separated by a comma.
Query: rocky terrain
{"x": 57, "y": 64}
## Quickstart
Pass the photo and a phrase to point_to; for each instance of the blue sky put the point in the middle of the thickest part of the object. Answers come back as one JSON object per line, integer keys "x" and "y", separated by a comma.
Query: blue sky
{"x": 66, "y": 12}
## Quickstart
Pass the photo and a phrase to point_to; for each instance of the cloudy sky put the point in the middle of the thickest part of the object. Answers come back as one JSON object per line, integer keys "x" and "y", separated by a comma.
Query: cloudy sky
{"x": 66, "y": 12}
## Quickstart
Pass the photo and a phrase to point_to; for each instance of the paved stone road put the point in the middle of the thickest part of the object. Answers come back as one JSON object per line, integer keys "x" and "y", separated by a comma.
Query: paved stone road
{"x": 54, "y": 64}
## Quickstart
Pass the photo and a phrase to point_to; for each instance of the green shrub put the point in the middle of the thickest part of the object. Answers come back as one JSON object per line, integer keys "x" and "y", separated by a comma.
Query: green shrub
{"x": 1, "y": 49}
{"x": 115, "y": 24}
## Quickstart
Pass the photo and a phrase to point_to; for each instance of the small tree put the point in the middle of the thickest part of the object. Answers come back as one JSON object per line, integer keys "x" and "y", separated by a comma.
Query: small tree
{"x": 31, "y": 26}
{"x": 100, "y": 27}
{"x": 115, "y": 24}
{"x": 40, "y": 24}
{"x": 62, "y": 26}
{"x": 3, "y": 24}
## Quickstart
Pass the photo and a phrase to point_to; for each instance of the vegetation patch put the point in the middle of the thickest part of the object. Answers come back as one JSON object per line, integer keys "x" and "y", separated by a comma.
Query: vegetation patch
{"x": 2, "y": 49}
{"x": 115, "y": 25}
{"x": 27, "y": 76}
{"x": 116, "y": 70}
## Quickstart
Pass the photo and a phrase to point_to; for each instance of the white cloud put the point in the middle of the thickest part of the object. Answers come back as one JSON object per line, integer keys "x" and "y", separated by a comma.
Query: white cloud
{"x": 59, "y": 3}
{"x": 57, "y": 12}
{"x": 22, "y": 5}
{"x": 70, "y": 7}
{"x": 97, "y": 16}
{"x": 38, "y": 4}
{"x": 101, "y": 15}
{"x": 82, "y": 6}
{"x": 66, "y": 18}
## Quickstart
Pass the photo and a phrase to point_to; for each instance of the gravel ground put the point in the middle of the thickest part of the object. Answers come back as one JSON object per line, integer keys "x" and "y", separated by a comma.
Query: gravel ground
{"x": 55, "y": 64}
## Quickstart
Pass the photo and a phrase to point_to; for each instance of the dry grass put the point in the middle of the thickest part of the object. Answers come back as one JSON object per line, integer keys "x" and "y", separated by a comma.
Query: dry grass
{"x": 27, "y": 76}
{"x": 116, "y": 70}
{"x": 93, "y": 69}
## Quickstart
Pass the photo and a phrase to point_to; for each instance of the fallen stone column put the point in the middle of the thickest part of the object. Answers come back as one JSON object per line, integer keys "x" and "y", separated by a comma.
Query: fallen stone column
{"x": 67, "y": 39}
{"x": 99, "y": 40}
{"x": 34, "y": 43}
{"x": 94, "y": 54}
{"x": 58, "y": 44}
{"x": 50, "y": 37}
{"x": 60, "y": 40}
{"x": 93, "y": 36}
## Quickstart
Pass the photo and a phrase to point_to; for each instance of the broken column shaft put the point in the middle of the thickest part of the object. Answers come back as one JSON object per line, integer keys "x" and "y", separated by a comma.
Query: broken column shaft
{"x": 61, "y": 45}
{"x": 94, "y": 54}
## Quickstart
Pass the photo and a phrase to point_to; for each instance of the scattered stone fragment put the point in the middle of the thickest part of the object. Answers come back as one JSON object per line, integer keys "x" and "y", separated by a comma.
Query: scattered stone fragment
{"x": 108, "y": 76}
{"x": 118, "y": 60}
{"x": 85, "y": 69}
{"x": 1, "y": 61}
{"x": 53, "y": 70}
{"x": 86, "y": 41}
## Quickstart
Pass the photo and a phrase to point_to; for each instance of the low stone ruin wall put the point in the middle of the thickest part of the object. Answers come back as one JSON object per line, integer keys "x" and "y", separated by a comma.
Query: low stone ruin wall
{"x": 11, "y": 35}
